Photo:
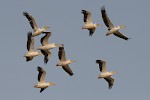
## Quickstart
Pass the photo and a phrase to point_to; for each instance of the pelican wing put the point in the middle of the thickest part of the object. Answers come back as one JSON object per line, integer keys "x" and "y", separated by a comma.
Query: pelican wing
{"x": 91, "y": 31}
{"x": 30, "y": 42}
{"x": 110, "y": 81}
{"x": 118, "y": 34}
{"x": 106, "y": 19}
{"x": 41, "y": 75}
{"x": 102, "y": 65}
{"x": 44, "y": 39}
{"x": 46, "y": 54}
{"x": 87, "y": 16}
{"x": 42, "y": 89}
{"x": 31, "y": 20}
{"x": 61, "y": 54}
{"x": 68, "y": 70}
{"x": 29, "y": 58}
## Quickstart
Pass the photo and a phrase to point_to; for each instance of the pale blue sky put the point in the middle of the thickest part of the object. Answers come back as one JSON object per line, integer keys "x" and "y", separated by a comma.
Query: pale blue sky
{"x": 129, "y": 58}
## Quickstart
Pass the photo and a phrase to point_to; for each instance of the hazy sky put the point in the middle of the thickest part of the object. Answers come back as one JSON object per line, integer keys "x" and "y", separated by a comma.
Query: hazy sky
{"x": 129, "y": 58}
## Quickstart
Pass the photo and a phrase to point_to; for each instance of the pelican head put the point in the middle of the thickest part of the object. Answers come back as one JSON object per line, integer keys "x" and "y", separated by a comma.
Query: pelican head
{"x": 59, "y": 45}
{"x": 45, "y": 27}
{"x": 97, "y": 25}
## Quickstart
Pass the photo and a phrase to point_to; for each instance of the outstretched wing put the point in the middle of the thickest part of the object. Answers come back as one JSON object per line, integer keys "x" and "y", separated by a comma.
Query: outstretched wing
{"x": 102, "y": 65}
{"x": 68, "y": 70}
{"x": 46, "y": 54}
{"x": 87, "y": 16}
{"x": 118, "y": 34}
{"x": 41, "y": 75}
{"x": 110, "y": 81}
{"x": 61, "y": 54}
{"x": 106, "y": 19}
{"x": 31, "y": 20}
{"x": 30, "y": 42}
{"x": 44, "y": 39}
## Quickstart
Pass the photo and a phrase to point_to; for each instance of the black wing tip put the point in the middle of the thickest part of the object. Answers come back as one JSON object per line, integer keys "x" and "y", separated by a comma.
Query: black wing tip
{"x": 103, "y": 8}
{"x": 71, "y": 74}
{"x": 98, "y": 61}
{"x": 29, "y": 33}
{"x": 25, "y": 13}
{"x": 110, "y": 86}
{"x": 83, "y": 11}
{"x": 39, "y": 68}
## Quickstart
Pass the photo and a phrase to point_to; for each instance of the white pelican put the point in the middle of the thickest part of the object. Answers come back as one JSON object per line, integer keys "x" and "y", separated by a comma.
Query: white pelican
{"x": 30, "y": 47}
{"x": 63, "y": 62}
{"x": 45, "y": 48}
{"x": 88, "y": 22}
{"x": 105, "y": 74}
{"x": 41, "y": 78}
{"x": 37, "y": 31}
{"x": 111, "y": 28}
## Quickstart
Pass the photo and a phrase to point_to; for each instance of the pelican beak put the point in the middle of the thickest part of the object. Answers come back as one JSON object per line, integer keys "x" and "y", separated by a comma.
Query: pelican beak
{"x": 73, "y": 61}
{"x": 121, "y": 26}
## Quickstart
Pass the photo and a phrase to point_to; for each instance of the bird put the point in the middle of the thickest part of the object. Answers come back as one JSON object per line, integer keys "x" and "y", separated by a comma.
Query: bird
{"x": 105, "y": 74}
{"x": 30, "y": 47}
{"x": 63, "y": 62}
{"x": 37, "y": 30}
{"x": 46, "y": 46}
{"x": 88, "y": 22}
{"x": 41, "y": 78}
{"x": 111, "y": 28}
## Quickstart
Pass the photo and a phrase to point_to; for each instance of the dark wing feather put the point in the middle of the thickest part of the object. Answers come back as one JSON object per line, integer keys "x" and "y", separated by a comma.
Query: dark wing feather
{"x": 30, "y": 42}
{"x": 41, "y": 75}
{"x": 61, "y": 54}
{"x": 118, "y": 34}
{"x": 42, "y": 89}
{"x": 87, "y": 16}
{"x": 110, "y": 81}
{"x": 44, "y": 39}
{"x": 46, "y": 54}
{"x": 91, "y": 31}
{"x": 31, "y": 20}
{"x": 68, "y": 70}
{"x": 29, "y": 58}
{"x": 106, "y": 19}
{"x": 102, "y": 65}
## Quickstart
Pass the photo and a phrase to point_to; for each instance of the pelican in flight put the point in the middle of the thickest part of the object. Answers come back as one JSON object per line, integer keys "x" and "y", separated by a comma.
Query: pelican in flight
{"x": 63, "y": 62}
{"x": 111, "y": 28}
{"x": 30, "y": 47}
{"x": 45, "y": 48}
{"x": 41, "y": 78}
{"x": 37, "y": 31}
{"x": 88, "y": 22}
{"x": 105, "y": 74}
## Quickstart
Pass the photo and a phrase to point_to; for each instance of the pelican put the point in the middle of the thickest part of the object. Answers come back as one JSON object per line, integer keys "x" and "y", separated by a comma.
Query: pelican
{"x": 105, "y": 74}
{"x": 41, "y": 78}
{"x": 111, "y": 28}
{"x": 45, "y": 48}
{"x": 37, "y": 31}
{"x": 30, "y": 47}
{"x": 63, "y": 62}
{"x": 88, "y": 22}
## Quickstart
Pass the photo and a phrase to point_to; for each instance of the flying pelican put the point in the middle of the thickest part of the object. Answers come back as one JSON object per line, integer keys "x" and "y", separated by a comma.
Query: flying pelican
{"x": 45, "y": 48}
{"x": 41, "y": 78}
{"x": 111, "y": 28}
{"x": 37, "y": 31}
{"x": 88, "y": 22}
{"x": 63, "y": 62}
{"x": 105, "y": 74}
{"x": 30, "y": 47}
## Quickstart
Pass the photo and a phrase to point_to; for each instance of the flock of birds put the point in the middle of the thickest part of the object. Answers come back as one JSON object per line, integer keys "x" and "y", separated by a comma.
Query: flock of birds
{"x": 46, "y": 47}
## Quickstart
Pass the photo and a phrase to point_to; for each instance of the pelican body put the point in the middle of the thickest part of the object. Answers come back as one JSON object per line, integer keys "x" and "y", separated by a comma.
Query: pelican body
{"x": 44, "y": 85}
{"x": 32, "y": 54}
